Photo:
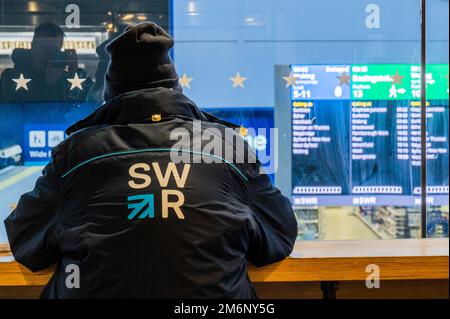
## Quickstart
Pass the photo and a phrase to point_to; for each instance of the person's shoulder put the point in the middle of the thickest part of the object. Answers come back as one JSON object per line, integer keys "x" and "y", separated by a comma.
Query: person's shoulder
{"x": 72, "y": 141}
{"x": 77, "y": 137}
{"x": 234, "y": 139}
{"x": 229, "y": 133}
{"x": 7, "y": 74}
{"x": 21, "y": 59}
{"x": 21, "y": 56}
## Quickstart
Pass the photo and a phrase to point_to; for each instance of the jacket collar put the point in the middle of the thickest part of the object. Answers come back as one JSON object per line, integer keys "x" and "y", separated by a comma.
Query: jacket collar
{"x": 139, "y": 106}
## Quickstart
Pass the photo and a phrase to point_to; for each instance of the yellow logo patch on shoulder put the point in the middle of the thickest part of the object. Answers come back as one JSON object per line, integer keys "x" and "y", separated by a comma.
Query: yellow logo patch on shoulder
{"x": 156, "y": 117}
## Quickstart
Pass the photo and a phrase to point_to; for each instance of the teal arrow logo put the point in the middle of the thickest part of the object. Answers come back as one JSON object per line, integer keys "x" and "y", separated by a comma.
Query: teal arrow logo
{"x": 143, "y": 205}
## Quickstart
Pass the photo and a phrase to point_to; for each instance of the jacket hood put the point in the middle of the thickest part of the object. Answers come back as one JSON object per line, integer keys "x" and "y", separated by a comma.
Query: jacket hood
{"x": 139, "y": 106}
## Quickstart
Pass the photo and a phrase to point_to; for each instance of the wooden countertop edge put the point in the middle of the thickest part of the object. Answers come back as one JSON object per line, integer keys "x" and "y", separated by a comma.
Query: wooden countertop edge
{"x": 353, "y": 269}
{"x": 316, "y": 261}
{"x": 4, "y": 248}
{"x": 290, "y": 270}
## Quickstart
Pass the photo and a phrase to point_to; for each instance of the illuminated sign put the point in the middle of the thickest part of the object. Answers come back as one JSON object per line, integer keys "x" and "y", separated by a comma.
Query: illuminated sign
{"x": 323, "y": 82}
{"x": 356, "y": 134}
{"x": 83, "y": 43}
{"x": 398, "y": 82}
{"x": 368, "y": 82}
{"x": 39, "y": 141}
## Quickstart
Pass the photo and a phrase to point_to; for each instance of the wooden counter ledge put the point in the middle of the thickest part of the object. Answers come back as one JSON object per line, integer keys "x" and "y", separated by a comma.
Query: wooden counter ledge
{"x": 414, "y": 260}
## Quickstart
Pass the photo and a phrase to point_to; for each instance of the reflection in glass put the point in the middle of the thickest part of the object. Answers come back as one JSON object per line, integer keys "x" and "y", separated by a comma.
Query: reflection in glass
{"x": 338, "y": 79}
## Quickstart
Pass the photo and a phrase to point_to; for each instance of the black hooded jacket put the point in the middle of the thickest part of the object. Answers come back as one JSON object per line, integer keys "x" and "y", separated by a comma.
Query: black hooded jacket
{"x": 114, "y": 205}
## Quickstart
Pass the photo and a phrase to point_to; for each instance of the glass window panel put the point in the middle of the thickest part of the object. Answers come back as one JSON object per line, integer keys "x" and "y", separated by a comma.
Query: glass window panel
{"x": 341, "y": 78}
{"x": 437, "y": 118}
{"x": 329, "y": 91}
{"x": 37, "y": 100}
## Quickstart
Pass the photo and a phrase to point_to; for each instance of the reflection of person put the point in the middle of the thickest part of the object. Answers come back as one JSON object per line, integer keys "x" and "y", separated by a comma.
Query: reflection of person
{"x": 42, "y": 73}
{"x": 135, "y": 222}
{"x": 96, "y": 92}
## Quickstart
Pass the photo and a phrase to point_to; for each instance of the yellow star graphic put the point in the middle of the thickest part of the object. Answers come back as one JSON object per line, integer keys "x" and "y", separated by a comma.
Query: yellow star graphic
{"x": 238, "y": 80}
{"x": 76, "y": 82}
{"x": 290, "y": 80}
{"x": 185, "y": 81}
{"x": 21, "y": 83}
{"x": 344, "y": 79}
{"x": 397, "y": 79}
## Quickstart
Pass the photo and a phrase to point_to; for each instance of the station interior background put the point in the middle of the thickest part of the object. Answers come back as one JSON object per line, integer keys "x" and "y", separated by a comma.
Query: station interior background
{"x": 235, "y": 58}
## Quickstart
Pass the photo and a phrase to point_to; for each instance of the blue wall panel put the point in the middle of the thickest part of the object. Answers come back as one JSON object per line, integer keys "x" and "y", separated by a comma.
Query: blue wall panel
{"x": 216, "y": 39}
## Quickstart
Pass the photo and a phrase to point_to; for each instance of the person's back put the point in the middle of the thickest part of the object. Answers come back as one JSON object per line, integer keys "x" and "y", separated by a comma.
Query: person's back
{"x": 137, "y": 201}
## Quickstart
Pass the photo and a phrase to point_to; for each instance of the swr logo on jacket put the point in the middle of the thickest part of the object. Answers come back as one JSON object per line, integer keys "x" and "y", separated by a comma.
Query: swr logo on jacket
{"x": 143, "y": 205}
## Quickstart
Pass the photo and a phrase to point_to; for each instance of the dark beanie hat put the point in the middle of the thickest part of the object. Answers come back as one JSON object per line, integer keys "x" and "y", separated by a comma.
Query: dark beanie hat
{"x": 139, "y": 59}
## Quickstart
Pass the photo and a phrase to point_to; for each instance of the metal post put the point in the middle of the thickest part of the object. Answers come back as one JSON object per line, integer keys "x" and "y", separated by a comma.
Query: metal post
{"x": 424, "y": 181}
{"x": 329, "y": 289}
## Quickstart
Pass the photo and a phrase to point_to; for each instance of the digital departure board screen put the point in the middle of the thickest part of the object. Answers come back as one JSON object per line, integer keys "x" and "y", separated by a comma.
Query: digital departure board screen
{"x": 356, "y": 134}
